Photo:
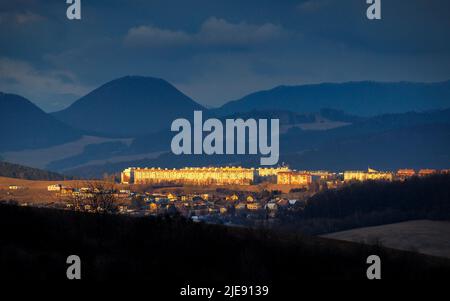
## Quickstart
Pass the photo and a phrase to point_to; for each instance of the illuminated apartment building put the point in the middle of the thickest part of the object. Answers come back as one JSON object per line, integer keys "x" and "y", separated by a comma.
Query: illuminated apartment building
{"x": 368, "y": 175}
{"x": 406, "y": 173}
{"x": 270, "y": 174}
{"x": 294, "y": 178}
{"x": 427, "y": 172}
{"x": 193, "y": 176}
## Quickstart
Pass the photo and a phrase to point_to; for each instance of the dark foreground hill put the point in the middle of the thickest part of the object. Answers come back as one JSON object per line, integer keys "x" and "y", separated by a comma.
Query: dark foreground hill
{"x": 24, "y": 126}
{"x": 173, "y": 252}
{"x": 129, "y": 106}
{"x": 11, "y": 170}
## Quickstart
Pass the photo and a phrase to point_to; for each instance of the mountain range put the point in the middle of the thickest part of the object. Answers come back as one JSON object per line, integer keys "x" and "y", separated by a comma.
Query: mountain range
{"x": 359, "y": 98}
{"x": 326, "y": 126}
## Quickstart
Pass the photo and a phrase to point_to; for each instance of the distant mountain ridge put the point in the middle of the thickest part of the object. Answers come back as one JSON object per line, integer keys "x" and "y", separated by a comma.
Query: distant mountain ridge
{"x": 129, "y": 106}
{"x": 359, "y": 98}
{"x": 25, "y": 126}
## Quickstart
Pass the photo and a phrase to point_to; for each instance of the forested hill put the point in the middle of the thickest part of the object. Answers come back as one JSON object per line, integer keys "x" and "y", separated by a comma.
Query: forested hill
{"x": 28, "y": 173}
{"x": 374, "y": 203}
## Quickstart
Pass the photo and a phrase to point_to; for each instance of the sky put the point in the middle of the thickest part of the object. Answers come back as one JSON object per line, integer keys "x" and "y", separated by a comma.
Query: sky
{"x": 217, "y": 51}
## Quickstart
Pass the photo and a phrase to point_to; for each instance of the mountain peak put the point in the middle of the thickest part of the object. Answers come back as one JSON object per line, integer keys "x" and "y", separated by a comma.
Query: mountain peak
{"x": 24, "y": 126}
{"x": 143, "y": 104}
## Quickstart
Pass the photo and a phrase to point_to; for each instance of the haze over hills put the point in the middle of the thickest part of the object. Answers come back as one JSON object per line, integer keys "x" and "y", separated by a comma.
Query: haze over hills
{"x": 24, "y": 126}
{"x": 390, "y": 142}
{"x": 359, "y": 98}
{"x": 129, "y": 106}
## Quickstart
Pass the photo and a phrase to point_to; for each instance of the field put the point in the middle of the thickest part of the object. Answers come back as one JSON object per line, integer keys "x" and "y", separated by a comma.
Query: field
{"x": 423, "y": 236}
{"x": 33, "y": 191}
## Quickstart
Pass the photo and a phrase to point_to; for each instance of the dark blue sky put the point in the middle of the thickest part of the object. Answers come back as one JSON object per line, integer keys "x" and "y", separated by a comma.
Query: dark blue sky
{"x": 216, "y": 51}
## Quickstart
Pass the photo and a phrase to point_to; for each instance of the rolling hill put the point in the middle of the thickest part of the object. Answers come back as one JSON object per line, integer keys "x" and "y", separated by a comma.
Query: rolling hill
{"x": 359, "y": 98}
{"x": 24, "y": 126}
{"x": 129, "y": 106}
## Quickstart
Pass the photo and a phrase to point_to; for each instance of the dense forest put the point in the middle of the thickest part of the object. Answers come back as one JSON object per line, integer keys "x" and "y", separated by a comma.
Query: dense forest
{"x": 173, "y": 251}
{"x": 373, "y": 203}
{"x": 28, "y": 173}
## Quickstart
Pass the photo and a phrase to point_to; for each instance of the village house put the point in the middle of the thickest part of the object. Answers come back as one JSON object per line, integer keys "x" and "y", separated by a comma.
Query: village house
{"x": 54, "y": 187}
{"x": 67, "y": 190}
{"x": 85, "y": 190}
{"x": 272, "y": 205}
{"x": 283, "y": 202}
{"x": 172, "y": 197}
{"x": 15, "y": 187}
{"x": 122, "y": 208}
{"x": 427, "y": 172}
{"x": 233, "y": 197}
{"x": 213, "y": 210}
{"x": 152, "y": 207}
{"x": 240, "y": 206}
{"x": 254, "y": 206}
{"x": 292, "y": 202}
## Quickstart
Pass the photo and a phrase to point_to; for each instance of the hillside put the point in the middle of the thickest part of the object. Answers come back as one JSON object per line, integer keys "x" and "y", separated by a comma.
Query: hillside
{"x": 129, "y": 106}
{"x": 168, "y": 251}
{"x": 24, "y": 126}
{"x": 10, "y": 170}
{"x": 359, "y": 98}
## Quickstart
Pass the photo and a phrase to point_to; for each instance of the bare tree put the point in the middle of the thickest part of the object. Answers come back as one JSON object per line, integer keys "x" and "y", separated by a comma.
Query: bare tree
{"x": 101, "y": 196}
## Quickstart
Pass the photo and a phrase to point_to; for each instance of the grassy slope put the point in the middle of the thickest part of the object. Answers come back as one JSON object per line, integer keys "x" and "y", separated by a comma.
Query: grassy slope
{"x": 424, "y": 236}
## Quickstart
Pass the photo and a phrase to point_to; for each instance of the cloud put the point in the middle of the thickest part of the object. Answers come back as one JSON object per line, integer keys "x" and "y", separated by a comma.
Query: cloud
{"x": 20, "y": 18}
{"x": 20, "y": 77}
{"x": 150, "y": 36}
{"x": 222, "y": 33}
{"x": 310, "y": 6}
{"x": 213, "y": 32}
